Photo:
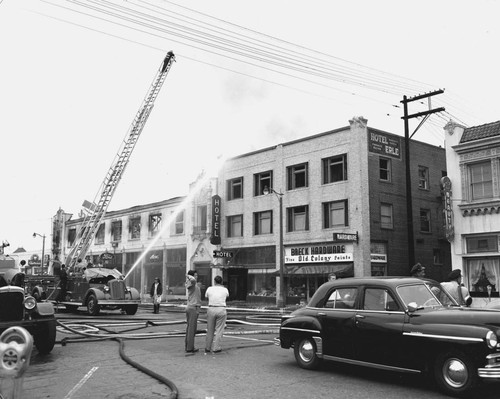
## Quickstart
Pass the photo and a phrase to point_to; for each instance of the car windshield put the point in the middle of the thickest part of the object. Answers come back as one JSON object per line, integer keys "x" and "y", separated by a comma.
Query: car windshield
{"x": 425, "y": 295}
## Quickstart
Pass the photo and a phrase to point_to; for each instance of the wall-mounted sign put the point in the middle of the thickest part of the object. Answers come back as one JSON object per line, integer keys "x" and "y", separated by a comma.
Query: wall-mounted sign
{"x": 216, "y": 212}
{"x": 349, "y": 237}
{"x": 447, "y": 208}
{"x": 384, "y": 144}
{"x": 106, "y": 256}
{"x": 223, "y": 254}
{"x": 378, "y": 258}
{"x": 319, "y": 253}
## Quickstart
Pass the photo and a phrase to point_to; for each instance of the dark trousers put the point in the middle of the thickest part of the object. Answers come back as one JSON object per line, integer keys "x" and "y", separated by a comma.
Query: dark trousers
{"x": 156, "y": 308}
{"x": 192, "y": 325}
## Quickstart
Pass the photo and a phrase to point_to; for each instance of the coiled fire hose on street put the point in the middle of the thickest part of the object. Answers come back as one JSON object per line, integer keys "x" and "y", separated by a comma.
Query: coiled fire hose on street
{"x": 91, "y": 333}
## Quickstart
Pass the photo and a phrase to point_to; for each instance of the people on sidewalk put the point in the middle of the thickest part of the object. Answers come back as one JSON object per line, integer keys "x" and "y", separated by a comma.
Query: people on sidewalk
{"x": 155, "y": 292}
{"x": 192, "y": 309}
{"x": 216, "y": 315}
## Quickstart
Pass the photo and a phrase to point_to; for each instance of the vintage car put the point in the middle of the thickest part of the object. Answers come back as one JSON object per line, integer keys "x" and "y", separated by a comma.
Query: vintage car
{"x": 98, "y": 288}
{"x": 402, "y": 324}
{"x": 18, "y": 309}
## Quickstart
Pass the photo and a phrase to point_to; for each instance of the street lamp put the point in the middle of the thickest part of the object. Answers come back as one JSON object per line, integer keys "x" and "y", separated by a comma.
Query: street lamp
{"x": 280, "y": 295}
{"x": 43, "y": 247}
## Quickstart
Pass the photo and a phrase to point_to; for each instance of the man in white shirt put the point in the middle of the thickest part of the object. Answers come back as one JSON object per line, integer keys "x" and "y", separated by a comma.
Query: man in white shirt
{"x": 216, "y": 315}
{"x": 455, "y": 288}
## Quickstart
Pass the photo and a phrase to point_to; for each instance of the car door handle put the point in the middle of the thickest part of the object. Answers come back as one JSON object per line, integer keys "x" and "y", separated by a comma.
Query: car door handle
{"x": 360, "y": 316}
{"x": 320, "y": 314}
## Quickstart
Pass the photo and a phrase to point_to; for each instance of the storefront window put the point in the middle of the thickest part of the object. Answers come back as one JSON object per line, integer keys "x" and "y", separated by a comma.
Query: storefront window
{"x": 483, "y": 276}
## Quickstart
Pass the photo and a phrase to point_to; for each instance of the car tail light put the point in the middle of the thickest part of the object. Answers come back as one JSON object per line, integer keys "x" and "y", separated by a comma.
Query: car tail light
{"x": 29, "y": 302}
{"x": 491, "y": 339}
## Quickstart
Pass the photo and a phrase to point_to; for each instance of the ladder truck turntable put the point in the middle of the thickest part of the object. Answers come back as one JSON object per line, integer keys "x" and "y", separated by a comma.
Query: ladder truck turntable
{"x": 100, "y": 287}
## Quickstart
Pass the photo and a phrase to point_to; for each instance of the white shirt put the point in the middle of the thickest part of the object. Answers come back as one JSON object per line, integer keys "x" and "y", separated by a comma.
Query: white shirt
{"x": 216, "y": 295}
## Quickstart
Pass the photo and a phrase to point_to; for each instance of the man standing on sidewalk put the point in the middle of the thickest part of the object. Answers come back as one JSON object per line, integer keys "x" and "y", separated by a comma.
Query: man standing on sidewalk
{"x": 216, "y": 315}
{"x": 192, "y": 310}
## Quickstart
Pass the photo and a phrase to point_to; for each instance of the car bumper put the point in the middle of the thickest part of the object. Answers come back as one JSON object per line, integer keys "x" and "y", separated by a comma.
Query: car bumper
{"x": 277, "y": 341}
{"x": 492, "y": 368}
{"x": 114, "y": 302}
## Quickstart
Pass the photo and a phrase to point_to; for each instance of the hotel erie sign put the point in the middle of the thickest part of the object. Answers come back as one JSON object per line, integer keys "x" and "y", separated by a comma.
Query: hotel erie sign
{"x": 329, "y": 253}
{"x": 384, "y": 144}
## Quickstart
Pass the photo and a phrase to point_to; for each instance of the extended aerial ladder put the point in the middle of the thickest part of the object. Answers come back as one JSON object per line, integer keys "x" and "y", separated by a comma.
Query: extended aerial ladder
{"x": 96, "y": 211}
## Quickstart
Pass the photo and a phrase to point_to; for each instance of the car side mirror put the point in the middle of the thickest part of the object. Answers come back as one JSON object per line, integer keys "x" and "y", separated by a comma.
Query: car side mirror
{"x": 412, "y": 307}
{"x": 468, "y": 301}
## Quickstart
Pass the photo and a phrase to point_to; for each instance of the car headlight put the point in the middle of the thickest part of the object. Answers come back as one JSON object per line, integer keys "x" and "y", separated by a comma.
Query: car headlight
{"x": 29, "y": 302}
{"x": 106, "y": 288}
{"x": 491, "y": 339}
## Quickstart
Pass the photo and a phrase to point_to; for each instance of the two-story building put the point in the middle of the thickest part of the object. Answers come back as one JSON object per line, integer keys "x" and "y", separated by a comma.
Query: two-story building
{"x": 473, "y": 214}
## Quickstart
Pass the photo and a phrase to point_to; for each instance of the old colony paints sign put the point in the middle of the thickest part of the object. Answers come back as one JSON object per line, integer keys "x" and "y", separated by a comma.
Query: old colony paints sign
{"x": 329, "y": 253}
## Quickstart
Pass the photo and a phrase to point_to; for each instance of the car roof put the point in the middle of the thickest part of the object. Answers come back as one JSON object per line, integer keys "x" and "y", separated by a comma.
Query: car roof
{"x": 392, "y": 281}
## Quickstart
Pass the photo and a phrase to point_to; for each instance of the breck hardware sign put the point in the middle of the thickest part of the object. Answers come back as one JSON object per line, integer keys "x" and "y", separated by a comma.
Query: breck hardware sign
{"x": 318, "y": 254}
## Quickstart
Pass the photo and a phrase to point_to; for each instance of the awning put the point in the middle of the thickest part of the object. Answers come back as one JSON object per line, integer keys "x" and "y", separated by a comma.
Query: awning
{"x": 340, "y": 270}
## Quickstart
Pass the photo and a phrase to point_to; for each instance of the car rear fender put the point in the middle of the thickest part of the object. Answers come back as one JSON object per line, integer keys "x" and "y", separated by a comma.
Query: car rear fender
{"x": 298, "y": 327}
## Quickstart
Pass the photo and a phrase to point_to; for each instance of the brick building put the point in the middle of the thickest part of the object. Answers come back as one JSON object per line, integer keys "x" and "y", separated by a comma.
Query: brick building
{"x": 342, "y": 196}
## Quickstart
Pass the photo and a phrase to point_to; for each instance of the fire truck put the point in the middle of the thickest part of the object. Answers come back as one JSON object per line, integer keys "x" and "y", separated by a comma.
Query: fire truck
{"x": 100, "y": 287}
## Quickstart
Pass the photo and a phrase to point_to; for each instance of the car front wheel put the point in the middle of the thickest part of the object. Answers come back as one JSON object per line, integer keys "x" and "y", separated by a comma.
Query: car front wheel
{"x": 305, "y": 353}
{"x": 455, "y": 373}
{"x": 131, "y": 309}
{"x": 92, "y": 305}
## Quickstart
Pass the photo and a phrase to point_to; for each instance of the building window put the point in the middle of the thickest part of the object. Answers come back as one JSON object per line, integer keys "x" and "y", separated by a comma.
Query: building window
{"x": 385, "y": 169}
{"x": 99, "y": 237}
{"x": 481, "y": 180}
{"x": 116, "y": 231}
{"x": 201, "y": 219}
{"x": 154, "y": 224}
{"x": 298, "y": 218}
{"x": 135, "y": 228}
{"x": 297, "y": 176}
{"x": 263, "y": 222}
{"x": 334, "y": 169}
{"x": 482, "y": 244}
{"x": 262, "y": 180}
{"x": 386, "y": 218}
{"x": 235, "y": 226}
{"x": 71, "y": 236}
{"x": 437, "y": 256}
{"x": 335, "y": 214}
{"x": 423, "y": 177}
{"x": 178, "y": 225}
{"x": 425, "y": 220}
{"x": 235, "y": 188}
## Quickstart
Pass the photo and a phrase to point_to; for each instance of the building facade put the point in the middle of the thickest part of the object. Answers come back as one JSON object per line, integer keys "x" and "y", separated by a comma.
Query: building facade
{"x": 473, "y": 160}
{"x": 142, "y": 242}
{"x": 335, "y": 204}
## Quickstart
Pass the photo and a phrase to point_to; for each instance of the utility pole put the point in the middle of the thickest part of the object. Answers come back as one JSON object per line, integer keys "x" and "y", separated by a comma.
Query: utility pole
{"x": 409, "y": 203}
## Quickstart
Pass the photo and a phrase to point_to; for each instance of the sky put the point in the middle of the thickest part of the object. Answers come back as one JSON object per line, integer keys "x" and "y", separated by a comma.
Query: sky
{"x": 248, "y": 75}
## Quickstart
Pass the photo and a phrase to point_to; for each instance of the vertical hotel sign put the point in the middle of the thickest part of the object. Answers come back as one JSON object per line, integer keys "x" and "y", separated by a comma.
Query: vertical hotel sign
{"x": 216, "y": 208}
{"x": 384, "y": 144}
{"x": 447, "y": 208}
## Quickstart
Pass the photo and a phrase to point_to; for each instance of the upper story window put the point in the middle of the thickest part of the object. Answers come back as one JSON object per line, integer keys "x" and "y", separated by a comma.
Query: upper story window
{"x": 134, "y": 227}
{"x": 178, "y": 225}
{"x": 155, "y": 223}
{"x": 298, "y": 218}
{"x": 482, "y": 244}
{"x": 386, "y": 216}
{"x": 425, "y": 220}
{"x": 263, "y": 222}
{"x": 71, "y": 236}
{"x": 423, "y": 177}
{"x": 385, "y": 173}
{"x": 481, "y": 182}
{"x": 99, "y": 237}
{"x": 235, "y": 226}
{"x": 116, "y": 230}
{"x": 335, "y": 214}
{"x": 297, "y": 176}
{"x": 201, "y": 219}
{"x": 235, "y": 188}
{"x": 334, "y": 169}
{"x": 261, "y": 180}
